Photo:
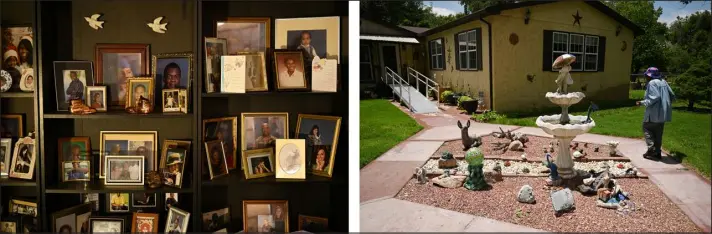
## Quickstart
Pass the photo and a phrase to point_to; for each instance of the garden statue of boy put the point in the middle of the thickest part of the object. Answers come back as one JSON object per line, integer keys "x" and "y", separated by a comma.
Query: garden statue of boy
{"x": 475, "y": 179}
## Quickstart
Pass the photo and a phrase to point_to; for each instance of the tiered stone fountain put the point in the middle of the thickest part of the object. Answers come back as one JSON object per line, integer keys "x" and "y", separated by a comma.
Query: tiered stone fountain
{"x": 564, "y": 127}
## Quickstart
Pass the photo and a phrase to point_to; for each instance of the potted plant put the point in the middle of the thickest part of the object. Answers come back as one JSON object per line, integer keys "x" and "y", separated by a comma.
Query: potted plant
{"x": 468, "y": 104}
{"x": 446, "y": 95}
{"x": 452, "y": 100}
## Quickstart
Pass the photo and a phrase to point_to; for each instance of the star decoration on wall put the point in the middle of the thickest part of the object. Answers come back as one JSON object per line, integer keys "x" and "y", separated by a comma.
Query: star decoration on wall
{"x": 577, "y": 18}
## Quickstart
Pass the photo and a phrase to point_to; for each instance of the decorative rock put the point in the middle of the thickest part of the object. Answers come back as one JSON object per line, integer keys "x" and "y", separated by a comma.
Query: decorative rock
{"x": 447, "y": 163}
{"x": 449, "y": 181}
{"x": 526, "y": 195}
{"x": 525, "y": 170}
{"x": 620, "y": 166}
{"x": 507, "y": 163}
{"x": 577, "y": 155}
{"x": 515, "y": 146}
{"x": 562, "y": 200}
{"x": 600, "y": 203}
{"x": 521, "y": 137}
{"x": 497, "y": 134}
{"x": 524, "y": 157}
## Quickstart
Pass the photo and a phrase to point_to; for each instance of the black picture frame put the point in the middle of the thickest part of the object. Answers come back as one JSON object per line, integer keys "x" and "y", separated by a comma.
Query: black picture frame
{"x": 76, "y": 210}
{"x": 59, "y": 68}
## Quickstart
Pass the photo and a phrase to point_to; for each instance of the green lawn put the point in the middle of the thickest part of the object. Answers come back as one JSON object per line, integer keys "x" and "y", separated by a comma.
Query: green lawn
{"x": 383, "y": 126}
{"x": 688, "y": 136}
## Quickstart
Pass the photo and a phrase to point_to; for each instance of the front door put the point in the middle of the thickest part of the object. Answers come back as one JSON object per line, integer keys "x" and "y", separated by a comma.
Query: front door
{"x": 390, "y": 57}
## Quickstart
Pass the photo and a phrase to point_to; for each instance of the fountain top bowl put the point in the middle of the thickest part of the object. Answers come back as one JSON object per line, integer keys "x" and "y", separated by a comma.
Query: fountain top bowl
{"x": 567, "y": 99}
{"x": 551, "y": 125}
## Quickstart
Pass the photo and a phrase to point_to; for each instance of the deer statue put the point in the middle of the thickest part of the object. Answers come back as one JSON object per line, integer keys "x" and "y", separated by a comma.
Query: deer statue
{"x": 467, "y": 140}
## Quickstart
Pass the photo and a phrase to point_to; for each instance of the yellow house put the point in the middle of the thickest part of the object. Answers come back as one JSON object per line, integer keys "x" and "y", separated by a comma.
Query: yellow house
{"x": 503, "y": 54}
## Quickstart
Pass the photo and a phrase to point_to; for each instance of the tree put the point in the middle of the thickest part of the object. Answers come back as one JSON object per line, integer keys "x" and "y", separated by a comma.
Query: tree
{"x": 690, "y": 53}
{"x": 648, "y": 49}
{"x": 472, "y": 6}
{"x": 694, "y": 84}
{"x": 406, "y": 13}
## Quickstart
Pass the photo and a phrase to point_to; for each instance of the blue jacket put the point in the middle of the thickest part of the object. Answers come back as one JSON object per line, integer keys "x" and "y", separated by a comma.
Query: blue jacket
{"x": 658, "y": 101}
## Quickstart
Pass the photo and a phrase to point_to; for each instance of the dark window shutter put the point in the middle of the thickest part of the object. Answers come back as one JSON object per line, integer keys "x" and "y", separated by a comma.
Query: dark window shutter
{"x": 456, "y": 43}
{"x": 430, "y": 54}
{"x": 479, "y": 49}
{"x": 442, "y": 54}
{"x": 601, "y": 53}
{"x": 546, "y": 52}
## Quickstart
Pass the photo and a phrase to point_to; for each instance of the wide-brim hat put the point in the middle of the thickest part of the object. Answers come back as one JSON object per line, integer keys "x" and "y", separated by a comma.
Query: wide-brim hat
{"x": 653, "y": 72}
{"x": 173, "y": 159}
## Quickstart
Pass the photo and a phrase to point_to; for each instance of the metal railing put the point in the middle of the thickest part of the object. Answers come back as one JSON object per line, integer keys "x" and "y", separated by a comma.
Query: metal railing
{"x": 428, "y": 84}
{"x": 393, "y": 78}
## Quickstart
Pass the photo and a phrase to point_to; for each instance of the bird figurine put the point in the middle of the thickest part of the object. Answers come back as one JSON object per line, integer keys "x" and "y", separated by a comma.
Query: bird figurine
{"x": 94, "y": 21}
{"x": 157, "y": 26}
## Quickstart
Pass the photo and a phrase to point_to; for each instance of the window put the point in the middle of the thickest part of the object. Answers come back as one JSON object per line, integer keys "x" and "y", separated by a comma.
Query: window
{"x": 365, "y": 59}
{"x": 588, "y": 50}
{"x": 436, "y": 54}
{"x": 467, "y": 57}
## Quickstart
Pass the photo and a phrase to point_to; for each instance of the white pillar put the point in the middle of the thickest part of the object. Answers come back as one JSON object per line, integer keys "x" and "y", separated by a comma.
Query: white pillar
{"x": 564, "y": 163}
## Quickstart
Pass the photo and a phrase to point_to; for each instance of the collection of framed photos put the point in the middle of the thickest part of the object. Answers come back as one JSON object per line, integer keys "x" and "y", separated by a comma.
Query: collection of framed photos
{"x": 236, "y": 61}
{"x": 22, "y": 218}
{"x": 18, "y": 155}
{"x": 17, "y": 60}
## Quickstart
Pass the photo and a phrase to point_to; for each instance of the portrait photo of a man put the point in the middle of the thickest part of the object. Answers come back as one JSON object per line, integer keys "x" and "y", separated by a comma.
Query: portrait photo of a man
{"x": 172, "y": 72}
{"x": 74, "y": 83}
{"x": 290, "y": 70}
{"x": 263, "y": 130}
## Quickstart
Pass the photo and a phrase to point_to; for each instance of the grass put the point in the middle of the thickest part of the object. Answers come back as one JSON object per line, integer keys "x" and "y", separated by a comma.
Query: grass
{"x": 688, "y": 136}
{"x": 382, "y": 126}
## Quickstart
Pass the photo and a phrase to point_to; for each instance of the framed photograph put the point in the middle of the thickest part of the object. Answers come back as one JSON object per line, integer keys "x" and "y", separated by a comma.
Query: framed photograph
{"x": 5, "y": 155}
{"x": 170, "y": 100}
{"x": 255, "y": 71}
{"x": 177, "y": 221}
{"x": 183, "y": 100}
{"x": 322, "y": 135}
{"x": 7, "y": 226}
{"x": 174, "y": 161}
{"x": 245, "y": 34}
{"x": 290, "y": 159}
{"x": 23, "y": 160}
{"x": 317, "y": 36}
{"x": 289, "y": 70}
{"x": 171, "y": 200}
{"x": 96, "y": 98}
{"x": 143, "y": 199}
{"x": 214, "y": 49}
{"x": 117, "y": 62}
{"x": 144, "y": 223}
{"x": 22, "y": 207}
{"x": 313, "y": 224}
{"x": 73, "y": 220}
{"x": 224, "y": 130}
{"x": 90, "y": 198}
{"x": 260, "y": 130}
{"x": 73, "y": 149}
{"x": 173, "y": 71}
{"x": 216, "y": 220}
{"x": 118, "y": 202}
{"x": 106, "y": 225}
{"x": 172, "y": 144}
{"x": 70, "y": 80}
{"x": 265, "y": 216}
{"x": 258, "y": 163}
{"x": 76, "y": 171}
{"x": 143, "y": 143}
{"x": 124, "y": 170}
{"x": 139, "y": 87}
{"x": 18, "y": 56}
{"x": 12, "y": 125}
{"x": 216, "y": 158}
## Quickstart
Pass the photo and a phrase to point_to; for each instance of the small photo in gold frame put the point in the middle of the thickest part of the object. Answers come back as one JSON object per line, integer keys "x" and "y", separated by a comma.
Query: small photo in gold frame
{"x": 265, "y": 216}
{"x": 139, "y": 87}
{"x": 258, "y": 163}
{"x": 169, "y": 100}
{"x": 290, "y": 159}
{"x": 216, "y": 159}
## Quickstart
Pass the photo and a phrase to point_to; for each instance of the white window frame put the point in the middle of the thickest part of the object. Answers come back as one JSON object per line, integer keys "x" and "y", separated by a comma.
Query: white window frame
{"x": 436, "y": 54}
{"x": 468, "y": 66}
{"x": 553, "y": 46}
{"x": 586, "y": 53}
{"x": 580, "y": 56}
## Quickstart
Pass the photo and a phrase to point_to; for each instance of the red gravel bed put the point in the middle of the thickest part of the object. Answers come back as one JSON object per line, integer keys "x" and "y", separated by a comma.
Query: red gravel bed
{"x": 657, "y": 213}
{"x": 534, "y": 149}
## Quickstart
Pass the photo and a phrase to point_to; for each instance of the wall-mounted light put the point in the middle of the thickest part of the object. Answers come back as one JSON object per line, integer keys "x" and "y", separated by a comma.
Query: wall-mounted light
{"x": 527, "y": 16}
{"x": 618, "y": 29}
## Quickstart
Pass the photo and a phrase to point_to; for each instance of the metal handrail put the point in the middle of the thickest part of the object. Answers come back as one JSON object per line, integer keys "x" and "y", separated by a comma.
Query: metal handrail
{"x": 430, "y": 84}
{"x": 400, "y": 81}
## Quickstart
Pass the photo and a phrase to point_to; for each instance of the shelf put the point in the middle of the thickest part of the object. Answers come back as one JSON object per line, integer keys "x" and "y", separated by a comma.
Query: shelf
{"x": 208, "y": 95}
{"x": 9, "y": 182}
{"x": 239, "y": 178}
{"x": 74, "y": 187}
{"x": 113, "y": 114}
{"x": 17, "y": 95}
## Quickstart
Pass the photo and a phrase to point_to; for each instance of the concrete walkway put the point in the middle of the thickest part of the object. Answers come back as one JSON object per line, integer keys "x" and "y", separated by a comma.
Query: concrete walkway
{"x": 383, "y": 178}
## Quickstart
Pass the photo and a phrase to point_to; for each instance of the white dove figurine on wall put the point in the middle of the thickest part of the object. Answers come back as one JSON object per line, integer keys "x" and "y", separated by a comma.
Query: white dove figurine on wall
{"x": 157, "y": 26}
{"x": 94, "y": 21}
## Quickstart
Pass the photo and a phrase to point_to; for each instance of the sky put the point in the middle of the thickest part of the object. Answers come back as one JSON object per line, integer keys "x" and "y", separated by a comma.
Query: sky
{"x": 671, "y": 9}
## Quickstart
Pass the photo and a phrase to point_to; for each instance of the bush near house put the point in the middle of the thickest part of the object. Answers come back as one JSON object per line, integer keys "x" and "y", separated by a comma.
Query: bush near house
{"x": 382, "y": 126}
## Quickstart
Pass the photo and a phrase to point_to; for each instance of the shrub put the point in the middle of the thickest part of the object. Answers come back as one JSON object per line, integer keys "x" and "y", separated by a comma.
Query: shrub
{"x": 487, "y": 116}
{"x": 445, "y": 94}
{"x": 463, "y": 98}
{"x": 694, "y": 84}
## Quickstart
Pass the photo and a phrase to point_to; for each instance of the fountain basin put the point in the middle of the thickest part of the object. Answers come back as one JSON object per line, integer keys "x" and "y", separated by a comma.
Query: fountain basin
{"x": 551, "y": 125}
{"x": 565, "y": 99}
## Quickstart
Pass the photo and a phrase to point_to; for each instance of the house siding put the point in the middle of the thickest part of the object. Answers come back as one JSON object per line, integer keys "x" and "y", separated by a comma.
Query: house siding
{"x": 512, "y": 63}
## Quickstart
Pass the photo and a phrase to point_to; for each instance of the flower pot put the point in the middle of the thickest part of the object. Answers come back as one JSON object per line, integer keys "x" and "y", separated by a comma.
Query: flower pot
{"x": 448, "y": 98}
{"x": 452, "y": 100}
{"x": 470, "y": 106}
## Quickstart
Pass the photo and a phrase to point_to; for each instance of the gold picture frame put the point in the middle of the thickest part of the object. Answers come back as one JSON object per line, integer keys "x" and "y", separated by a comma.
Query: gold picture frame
{"x": 214, "y": 49}
{"x": 281, "y": 63}
{"x": 130, "y": 82}
{"x": 276, "y": 207}
{"x": 137, "y": 227}
{"x": 250, "y": 58}
{"x": 169, "y": 144}
{"x": 175, "y": 105}
{"x": 183, "y": 100}
{"x": 247, "y": 163}
{"x": 320, "y": 145}
{"x": 264, "y": 38}
{"x": 290, "y": 159}
{"x": 230, "y": 151}
{"x": 100, "y": 107}
{"x": 208, "y": 153}
{"x": 19, "y": 133}
{"x": 244, "y": 121}
{"x": 183, "y": 55}
{"x": 117, "y": 137}
{"x": 25, "y": 211}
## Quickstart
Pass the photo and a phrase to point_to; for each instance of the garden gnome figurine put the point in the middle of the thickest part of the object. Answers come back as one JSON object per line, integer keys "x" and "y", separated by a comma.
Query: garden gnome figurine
{"x": 476, "y": 179}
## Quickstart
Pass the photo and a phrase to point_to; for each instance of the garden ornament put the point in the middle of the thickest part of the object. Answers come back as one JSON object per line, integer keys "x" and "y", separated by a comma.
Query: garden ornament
{"x": 468, "y": 141}
{"x": 476, "y": 179}
{"x": 563, "y": 63}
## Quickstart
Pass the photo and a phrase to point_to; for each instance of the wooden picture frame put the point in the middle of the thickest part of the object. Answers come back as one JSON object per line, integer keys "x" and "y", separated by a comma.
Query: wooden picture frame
{"x": 210, "y": 148}
{"x": 131, "y": 101}
{"x": 172, "y": 212}
{"x": 174, "y": 94}
{"x": 5, "y": 156}
{"x": 29, "y": 207}
{"x": 63, "y": 71}
{"x": 160, "y": 76}
{"x": 273, "y": 204}
{"x": 230, "y": 145}
{"x": 253, "y": 129}
{"x": 121, "y": 145}
{"x": 109, "y": 206}
{"x": 73, "y": 213}
{"x": 67, "y": 145}
{"x": 100, "y": 107}
{"x": 316, "y": 143}
{"x": 94, "y": 224}
{"x": 22, "y": 149}
{"x": 304, "y": 218}
{"x": 282, "y": 80}
{"x": 263, "y": 23}
{"x": 138, "y": 223}
{"x": 248, "y": 164}
{"x": 19, "y": 130}
{"x": 115, "y": 83}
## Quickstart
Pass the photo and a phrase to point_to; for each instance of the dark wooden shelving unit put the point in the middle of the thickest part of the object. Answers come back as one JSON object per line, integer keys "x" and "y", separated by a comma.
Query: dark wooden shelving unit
{"x": 209, "y": 95}
{"x": 114, "y": 114}
{"x": 100, "y": 188}
{"x": 7, "y": 182}
{"x": 17, "y": 95}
